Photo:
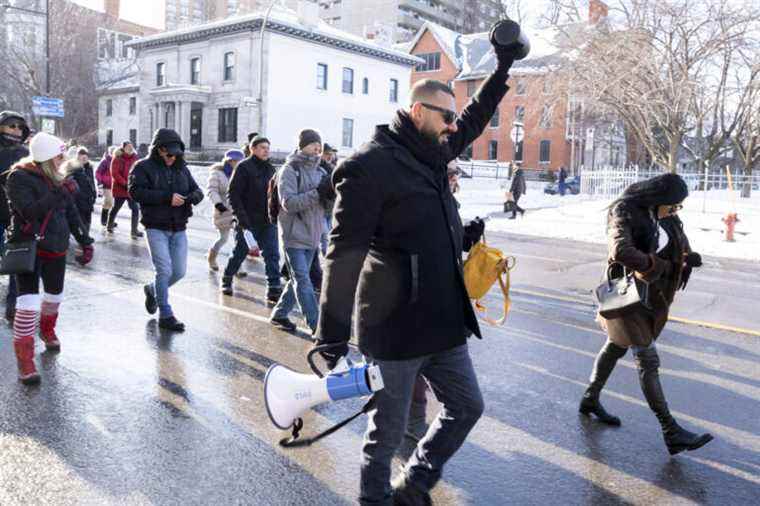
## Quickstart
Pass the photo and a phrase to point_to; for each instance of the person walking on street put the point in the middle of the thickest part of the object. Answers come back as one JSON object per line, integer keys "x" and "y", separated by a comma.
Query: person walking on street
{"x": 103, "y": 177}
{"x": 517, "y": 189}
{"x": 123, "y": 160}
{"x": 218, "y": 183}
{"x": 562, "y": 185}
{"x": 78, "y": 168}
{"x": 248, "y": 198}
{"x": 41, "y": 203}
{"x": 14, "y": 134}
{"x": 166, "y": 191}
{"x": 327, "y": 165}
{"x": 646, "y": 237}
{"x": 301, "y": 188}
{"x": 395, "y": 255}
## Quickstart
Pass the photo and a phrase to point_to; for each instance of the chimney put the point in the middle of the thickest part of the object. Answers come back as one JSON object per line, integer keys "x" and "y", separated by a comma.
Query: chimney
{"x": 112, "y": 8}
{"x": 597, "y": 11}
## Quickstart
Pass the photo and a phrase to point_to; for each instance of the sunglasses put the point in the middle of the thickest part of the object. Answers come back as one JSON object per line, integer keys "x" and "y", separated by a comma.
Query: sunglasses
{"x": 449, "y": 116}
{"x": 18, "y": 126}
{"x": 675, "y": 208}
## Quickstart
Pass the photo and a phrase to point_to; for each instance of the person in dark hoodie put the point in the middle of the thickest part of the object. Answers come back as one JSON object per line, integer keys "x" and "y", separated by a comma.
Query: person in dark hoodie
{"x": 78, "y": 168}
{"x": 166, "y": 191}
{"x": 646, "y": 236}
{"x": 395, "y": 256}
{"x": 123, "y": 160}
{"x": 14, "y": 133}
{"x": 41, "y": 203}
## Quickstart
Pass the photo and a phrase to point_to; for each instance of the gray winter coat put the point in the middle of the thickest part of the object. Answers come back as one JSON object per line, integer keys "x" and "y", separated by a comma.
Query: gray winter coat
{"x": 302, "y": 218}
{"x": 218, "y": 183}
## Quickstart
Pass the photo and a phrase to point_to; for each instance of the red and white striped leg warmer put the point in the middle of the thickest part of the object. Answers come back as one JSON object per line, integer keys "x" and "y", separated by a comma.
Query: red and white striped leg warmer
{"x": 24, "y": 328}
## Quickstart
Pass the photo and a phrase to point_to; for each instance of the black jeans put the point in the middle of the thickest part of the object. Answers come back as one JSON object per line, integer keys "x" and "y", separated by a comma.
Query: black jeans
{"x": 118, "y": 202}
{"x": 51, "y": 270}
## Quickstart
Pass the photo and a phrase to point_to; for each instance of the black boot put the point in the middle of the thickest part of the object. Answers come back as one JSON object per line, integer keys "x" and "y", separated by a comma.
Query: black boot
{"x": 104, "y": 217}
{"x": 676, "y": 438}
{"x": 136, "y": 234}
{"x": 603, "y": 366}
{"x": 273, "y": 295}
{"x": 226, "y": 287}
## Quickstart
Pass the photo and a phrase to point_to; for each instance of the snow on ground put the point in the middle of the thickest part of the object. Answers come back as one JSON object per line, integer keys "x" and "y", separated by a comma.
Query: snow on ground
{"x": 579, "y": 218}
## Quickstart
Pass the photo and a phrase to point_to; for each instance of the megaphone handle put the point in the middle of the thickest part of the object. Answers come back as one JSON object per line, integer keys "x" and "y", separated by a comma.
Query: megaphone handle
{"x": 294, "y": 442}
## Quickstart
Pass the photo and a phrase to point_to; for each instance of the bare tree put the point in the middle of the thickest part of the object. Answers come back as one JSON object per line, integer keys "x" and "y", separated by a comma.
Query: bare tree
{"x": 746, "y": 138}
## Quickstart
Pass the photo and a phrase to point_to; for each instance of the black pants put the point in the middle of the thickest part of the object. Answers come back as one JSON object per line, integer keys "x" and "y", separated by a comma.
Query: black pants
{"x": 515, "y": 207}
{"x": 86, "y": 221}
{"x": 50, "y": 270}
{"x": 118, "y": 202}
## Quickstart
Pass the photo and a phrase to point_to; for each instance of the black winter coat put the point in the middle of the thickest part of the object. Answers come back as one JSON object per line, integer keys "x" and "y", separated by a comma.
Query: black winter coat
{"x": 88, "y": 193}
{"x": 31, "y": 196}
{"x": 396, "y": 245}
{"x": 248, "y": 191}
{"x": 518, "y": 186}
{"x": 10, "y": 153}
{"x": 152, "y": 184}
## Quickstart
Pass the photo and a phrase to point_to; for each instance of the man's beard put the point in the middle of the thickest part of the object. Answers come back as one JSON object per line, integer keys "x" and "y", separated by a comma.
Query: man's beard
{"x": 434, "y": 136}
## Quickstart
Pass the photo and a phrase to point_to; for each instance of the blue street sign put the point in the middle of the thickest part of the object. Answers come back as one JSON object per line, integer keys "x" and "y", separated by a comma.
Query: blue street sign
{"x": 46, "y": 106}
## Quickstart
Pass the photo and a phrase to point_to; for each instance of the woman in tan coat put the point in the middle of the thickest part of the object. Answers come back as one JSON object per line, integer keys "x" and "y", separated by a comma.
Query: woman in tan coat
{"x": 646, "y": 236}
{"x": 218, "y": 185}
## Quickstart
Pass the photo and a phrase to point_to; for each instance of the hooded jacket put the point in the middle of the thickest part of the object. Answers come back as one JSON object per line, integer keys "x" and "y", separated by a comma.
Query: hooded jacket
{"x": 10, "y": 153}
{"x": 152, "y": 184}
{"x": 218, "y": 182}
{"x": 103, "y": 174}
{"x": 121, "y": 164}
{"x": 85, "y": 198}
{"x": 302, "y": 218}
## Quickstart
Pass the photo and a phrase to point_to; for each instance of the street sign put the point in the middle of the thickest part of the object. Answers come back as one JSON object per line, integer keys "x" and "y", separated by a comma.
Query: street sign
{"x": 46, "y": 106}
{"x": 48, "y": 126}
{"x": 250, "y": 102}
{"x": 516, "y": 134}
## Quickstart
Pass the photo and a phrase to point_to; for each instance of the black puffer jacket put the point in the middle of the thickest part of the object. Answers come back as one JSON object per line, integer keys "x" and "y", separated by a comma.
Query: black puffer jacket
{"x": 10, "y": 153}
{"x": 85, "y": 179}
{"x": 248, "y": 191}
{"x": 31, "y": 196}
{"x": 152, "y": 184}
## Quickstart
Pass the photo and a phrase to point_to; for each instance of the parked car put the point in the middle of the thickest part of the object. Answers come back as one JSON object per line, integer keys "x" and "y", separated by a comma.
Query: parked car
{"x": 572, "y": 184}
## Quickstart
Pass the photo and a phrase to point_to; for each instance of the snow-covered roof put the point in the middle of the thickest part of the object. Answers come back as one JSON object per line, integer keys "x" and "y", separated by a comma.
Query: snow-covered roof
{"x": 282, "y": 20}
{"x": 474, "y": 56}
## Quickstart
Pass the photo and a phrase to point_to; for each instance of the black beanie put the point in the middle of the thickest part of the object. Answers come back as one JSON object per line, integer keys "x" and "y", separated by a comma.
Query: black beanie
{"x": 663, "y": 190}
{"x": 252, "y": 136}
{"x": 258, "y": 139}
{"x": 307, "y": 136}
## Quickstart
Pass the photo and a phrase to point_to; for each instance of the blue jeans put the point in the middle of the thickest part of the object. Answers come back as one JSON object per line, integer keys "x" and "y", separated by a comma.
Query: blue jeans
{"x": 266, "y": 237}
{"x": 453, "y": 381}
{"x": 299, "y": 287}
{"x": 168, "y": 251}
{"x": 10, "y": 296}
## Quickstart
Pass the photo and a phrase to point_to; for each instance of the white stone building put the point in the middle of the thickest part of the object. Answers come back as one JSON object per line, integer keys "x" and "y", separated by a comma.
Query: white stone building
{"x": 204, "y": 82}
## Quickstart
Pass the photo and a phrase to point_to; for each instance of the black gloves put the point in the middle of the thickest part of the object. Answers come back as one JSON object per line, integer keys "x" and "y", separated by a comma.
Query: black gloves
{"x": 220, "y": 207}
{"x": 325, "y": 189}
{"x": 693, "y": 259}
{"x": 332, "y": 355}
{"x": 504, "y": 59}
{"x": 195, "y": 197}
{"x": 473, "y": 232}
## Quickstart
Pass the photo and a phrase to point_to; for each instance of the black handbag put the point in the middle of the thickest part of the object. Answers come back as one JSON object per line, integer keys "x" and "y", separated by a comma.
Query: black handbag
{"x": 20, "y": 257}
{"x": 620, "y": 295}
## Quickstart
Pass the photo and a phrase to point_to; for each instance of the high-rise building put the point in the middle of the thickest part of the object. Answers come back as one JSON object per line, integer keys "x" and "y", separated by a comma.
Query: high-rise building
{"x": 400, "y": 20}
{"x": 181, "y": 13}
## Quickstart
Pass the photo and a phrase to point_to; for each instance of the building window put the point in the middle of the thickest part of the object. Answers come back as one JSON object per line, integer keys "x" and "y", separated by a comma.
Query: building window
{"x": 195, "y": 71}
{"x": 228, "y": 125}
{"x": 321, "y": 76}
{"x": 394, "y": 90}
{"x": 522, "y": 87}
{"x": 365, "y": 86}
{"x": 495, "y": 119}
{"x": 132, "y": 106}
{"x": 432, "y": 62}
{"x": 493, "y": 150}
{"x": 520, "y": 113}
{"x": 348, "y": 80}
{"x": 160, "y": 74}
{"x": 544, "y": 152}
{"x": 472, "y": 86}
{"x": 348, "y": 133}
{"x": 229, "y": 66}
{"x": 546, "y": 116}
{"x": 109, "y": 137}
{"x": 133, "y": 136}
{"x": 109, "y": 107}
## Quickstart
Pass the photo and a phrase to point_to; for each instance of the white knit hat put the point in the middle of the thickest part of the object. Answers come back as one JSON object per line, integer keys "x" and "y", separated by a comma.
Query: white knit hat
{"x": 44, "y": 147}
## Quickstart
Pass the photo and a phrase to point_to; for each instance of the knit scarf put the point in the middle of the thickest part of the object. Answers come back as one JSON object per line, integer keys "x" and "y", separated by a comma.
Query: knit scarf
{"x": 427, "y": 151}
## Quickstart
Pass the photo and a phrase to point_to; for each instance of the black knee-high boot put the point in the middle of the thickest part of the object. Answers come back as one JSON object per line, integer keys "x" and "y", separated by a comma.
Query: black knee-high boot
{"x": 603, "y": 366}
{"x": 676, "y": 438}
{"x": 104, "y": 217}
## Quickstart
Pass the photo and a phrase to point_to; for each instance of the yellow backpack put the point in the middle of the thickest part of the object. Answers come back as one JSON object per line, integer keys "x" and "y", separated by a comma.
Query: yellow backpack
{"x": 483, "y": 267}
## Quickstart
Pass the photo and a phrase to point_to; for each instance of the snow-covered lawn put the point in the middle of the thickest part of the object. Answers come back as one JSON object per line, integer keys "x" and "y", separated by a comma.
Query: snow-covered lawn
{"x": 576, "y": 217}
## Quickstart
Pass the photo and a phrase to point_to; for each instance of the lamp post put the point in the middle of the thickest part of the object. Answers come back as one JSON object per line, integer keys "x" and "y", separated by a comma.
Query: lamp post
{"x": 46, "y": 13}
{"x": 260, "y": 97}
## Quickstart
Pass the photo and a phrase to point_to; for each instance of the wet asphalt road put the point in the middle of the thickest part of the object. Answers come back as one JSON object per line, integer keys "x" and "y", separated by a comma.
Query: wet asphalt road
{"x": 128, "y": 414}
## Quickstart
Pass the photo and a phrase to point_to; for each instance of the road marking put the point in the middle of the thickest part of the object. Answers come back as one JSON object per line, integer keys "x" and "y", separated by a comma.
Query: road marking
{"x": 678, "y": 319}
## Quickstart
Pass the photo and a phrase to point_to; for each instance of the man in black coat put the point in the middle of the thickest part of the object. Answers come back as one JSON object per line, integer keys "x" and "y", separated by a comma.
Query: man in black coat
{"x": 248, "y": 198}
{"x": 395, "y": 254}
{"x": 13, "y": 133}
{"x": 166, "y": 191}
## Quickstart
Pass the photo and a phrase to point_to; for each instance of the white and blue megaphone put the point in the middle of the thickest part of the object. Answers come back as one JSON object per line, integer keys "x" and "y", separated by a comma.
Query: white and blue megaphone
{"x": 288, "y": 394}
